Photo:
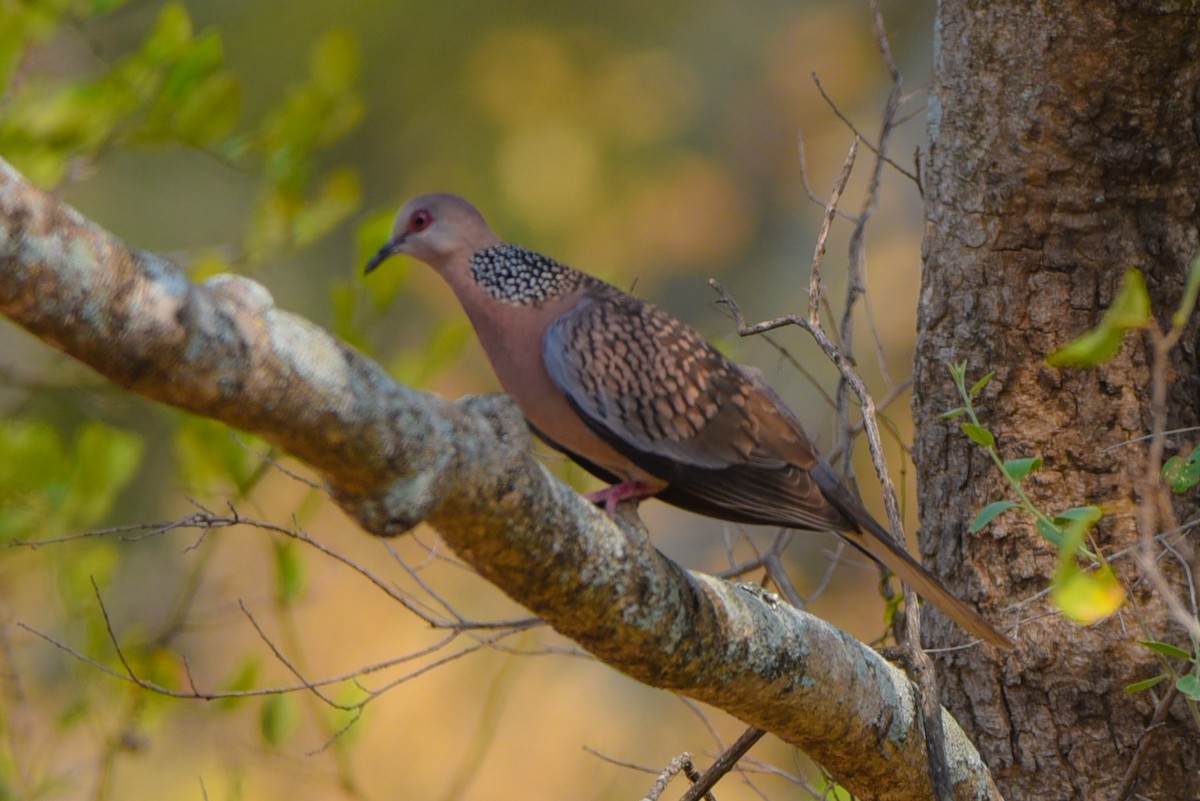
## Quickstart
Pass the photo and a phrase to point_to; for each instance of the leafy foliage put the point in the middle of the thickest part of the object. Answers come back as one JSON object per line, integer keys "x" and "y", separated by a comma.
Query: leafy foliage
{"x": 49, "y": 488}
{"x": 313, "y": 115}
{"x": 173, "y": 88}
{"x": 1182, "y": 473}
{"x": 1085, "y": 596}
{"x": 1187, "y": 682}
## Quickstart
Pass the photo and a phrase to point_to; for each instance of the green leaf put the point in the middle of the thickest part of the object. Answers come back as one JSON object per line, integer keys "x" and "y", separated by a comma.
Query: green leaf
{"x": 172, "y": 30}
{"x": 270, "y": 224}
{"x": 196, "y": 61}
{"x": 1087, "y": 597}
{"x": 46, "y": 492}
{"x": 207, "y": 264}
{"x": 372, "y": 234}
{"x": 979, "y": 434}
{"x": 289, "y": 572}
{"x": 209, "y": 111}
{"x": 1018, "y": 469}
{"x": 347, "y": 722}
{"x": 278, "y": 719}
{"x": 418, "y": 365}
{"x": 335, "y": 201}
{"x": 835, "y": 792}
{"x": 33, "y": 464}
{"x": 1050, "y": 531}
{"x": 343, "y": 299}
{"x": 1166, "y": 649}
{"x": 1189, "y": 685}
{"x": 31, "y": 457}
{"x": 242, "y": 680}
{"x": 287, "y": 137}
{"x": 980, "y": 384}
{"x": 1130, "y": 309}
{"x": 314, "y": 113}
{"x": 1095, "y": 347}
{"x": 1181, "y": 473}
{"x": 1076, "y": 522}
{"x": 990, "y": 513}
{"x": 15, "y": 25}
{"x": 105, "y": 461}
{"x": 1089, "y": 515}
{"x": 209, "y": 457}
{"x": 160, "y": 666}
{"x": 340, "y": 117}
{"x": 98, "y": 564}
{"x": 313, "y": 502}
{"x": 335, "y": 61}
{"x": 1188, "y": 302}
{"x": 43, "y": 130}
{"x": 1144, "y": 684}
{"x": 954, "y": 413}
{"x": 1083, "y": 597}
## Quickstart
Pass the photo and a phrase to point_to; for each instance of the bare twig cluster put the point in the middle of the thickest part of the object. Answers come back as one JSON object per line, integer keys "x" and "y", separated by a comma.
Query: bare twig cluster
{"x": 433, "y": 609}
{"x": 840, "y": 353}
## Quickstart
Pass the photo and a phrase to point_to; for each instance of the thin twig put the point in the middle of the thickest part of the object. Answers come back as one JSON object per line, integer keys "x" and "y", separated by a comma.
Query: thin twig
{"x": 270, "y": 459}
{"x": 1145, "y": 437}
{"x": 205, "y": 695}
{"x": 112, "y": 635}
{"x": 814, "y": 281}
{"x": 620, "y": 763}
{"x": 147, "y": 530}
{"x": 854, "y": 129}
{"x": 923, "y": 668}
{"x": 781, "y": 579}
{"x": 1151, "y": 489}
{"x": 723, "y": 764}
{"x": 680, "y": 764}
{"x": 893, "y": 395}
{"x": 820, "y": 201}
{"x": 834, "y": 354}
{"x": 799, "y": 367}
{"x": 287, "y": 663}
{"x": 835, "y": 559}
{"x": 1143, "y": 746}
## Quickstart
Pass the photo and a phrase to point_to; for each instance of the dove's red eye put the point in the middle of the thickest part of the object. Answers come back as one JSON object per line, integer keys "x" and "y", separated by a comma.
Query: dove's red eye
{"x": 419, "y": 220}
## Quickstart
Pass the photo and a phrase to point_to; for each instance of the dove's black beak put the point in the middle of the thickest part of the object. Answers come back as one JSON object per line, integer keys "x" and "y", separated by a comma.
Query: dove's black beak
{"x": 386, "y": 252}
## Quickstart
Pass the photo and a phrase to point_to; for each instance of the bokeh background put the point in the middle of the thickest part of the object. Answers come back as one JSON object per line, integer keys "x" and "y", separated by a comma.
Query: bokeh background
{"x": 653, "y": 144}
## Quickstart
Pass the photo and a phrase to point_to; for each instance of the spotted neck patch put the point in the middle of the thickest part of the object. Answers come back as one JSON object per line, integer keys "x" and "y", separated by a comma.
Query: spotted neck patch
{"x": 522, "y": 277}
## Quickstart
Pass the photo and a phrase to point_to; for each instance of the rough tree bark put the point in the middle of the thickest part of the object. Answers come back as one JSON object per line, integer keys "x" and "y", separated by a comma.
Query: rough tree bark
{"x": 1065, "y": 149}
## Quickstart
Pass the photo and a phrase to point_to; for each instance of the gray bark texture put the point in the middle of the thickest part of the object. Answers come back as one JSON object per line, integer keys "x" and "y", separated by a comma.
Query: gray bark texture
{"x": 1065, "y": 149}
{"x": 393, "y": 456}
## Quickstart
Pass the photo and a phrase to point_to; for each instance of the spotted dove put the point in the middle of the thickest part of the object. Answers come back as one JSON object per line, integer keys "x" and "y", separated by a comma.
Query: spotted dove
{"x": 639, "y": 398}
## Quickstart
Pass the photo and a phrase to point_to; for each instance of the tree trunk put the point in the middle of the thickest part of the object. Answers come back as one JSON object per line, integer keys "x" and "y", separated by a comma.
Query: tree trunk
{"x": 1064, "y": 151}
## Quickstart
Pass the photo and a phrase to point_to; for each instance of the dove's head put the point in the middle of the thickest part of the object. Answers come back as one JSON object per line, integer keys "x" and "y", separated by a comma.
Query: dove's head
{"x": 440, "y": 230}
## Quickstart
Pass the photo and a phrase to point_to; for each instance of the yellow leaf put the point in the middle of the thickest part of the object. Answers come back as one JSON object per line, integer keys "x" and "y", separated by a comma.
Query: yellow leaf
{"x": 1087, "y": 597}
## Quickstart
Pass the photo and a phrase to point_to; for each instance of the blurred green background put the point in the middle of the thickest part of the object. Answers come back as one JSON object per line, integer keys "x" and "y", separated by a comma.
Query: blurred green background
{"x": 652, "y": 144}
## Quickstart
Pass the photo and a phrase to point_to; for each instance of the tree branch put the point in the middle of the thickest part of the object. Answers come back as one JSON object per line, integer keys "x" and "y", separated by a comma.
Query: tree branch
{"x": 393, "y": 456}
